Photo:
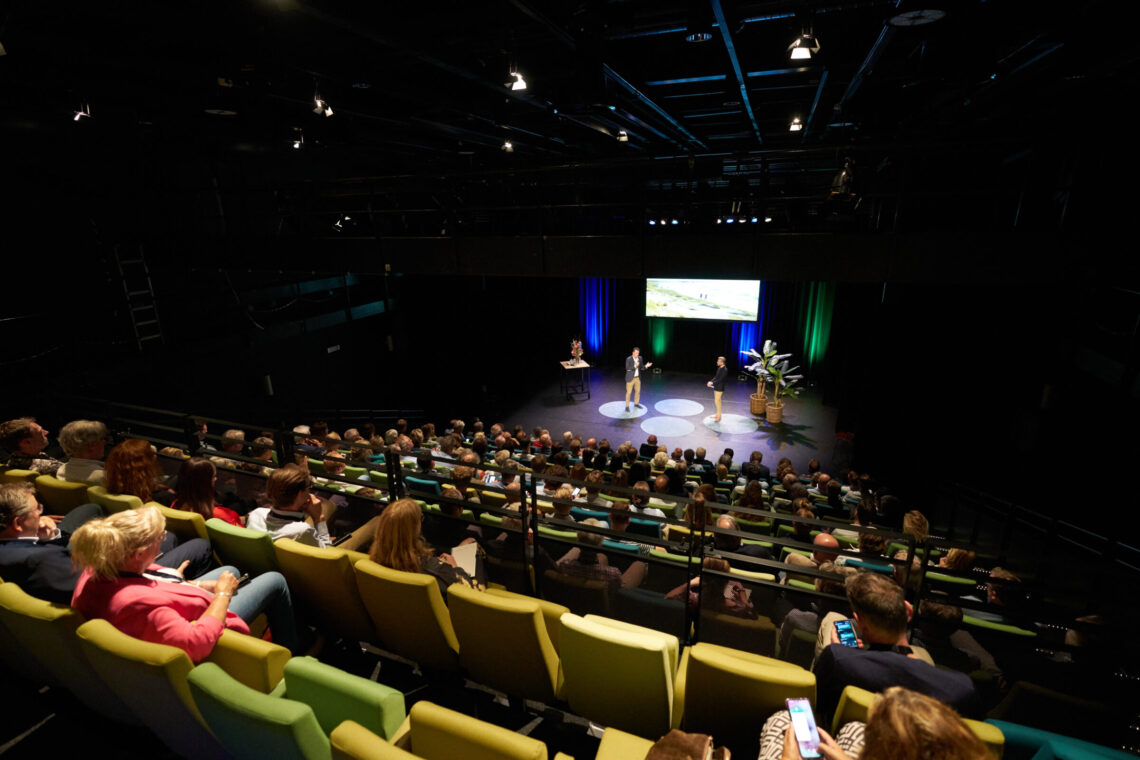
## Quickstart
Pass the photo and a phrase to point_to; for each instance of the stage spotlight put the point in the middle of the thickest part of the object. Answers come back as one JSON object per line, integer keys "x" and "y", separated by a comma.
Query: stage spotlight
{"x": 321, "y": 106}
{"x": 662, "y": 222}
{"x": 652, "y": 222}
{"x": 755, "y": 219}
{"x": 719, "y": 220}
{"x": 622, "y": 136}
{"x": 82, "y": 113}
{"x": 298, "y": 138}
{"x": 519, "y": 83}
{"x": 507, "y": 147}
{"x": 803, "y": 48}
{"x": 729, "y": 220}
{"x": 767, "y": 220}
{"x": 796, "y": 125}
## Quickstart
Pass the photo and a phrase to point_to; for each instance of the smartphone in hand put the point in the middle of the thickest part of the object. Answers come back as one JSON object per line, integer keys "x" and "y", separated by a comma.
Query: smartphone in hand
{"x": 846, "y": 633}
{"x": 803, "y": 724}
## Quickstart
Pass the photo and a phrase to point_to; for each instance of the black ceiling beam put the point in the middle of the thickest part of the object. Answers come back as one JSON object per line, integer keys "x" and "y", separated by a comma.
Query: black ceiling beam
{"x": 611, "y": 74}
{"x": 730, "y": 48}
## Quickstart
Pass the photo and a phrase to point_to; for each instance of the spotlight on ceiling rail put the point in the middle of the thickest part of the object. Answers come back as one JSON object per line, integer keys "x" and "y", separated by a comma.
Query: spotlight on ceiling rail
{"x": 622, "y": 136}
{"x": 518, "y": 83}
{"x": 803, "y": 48}
{"x": 321, "y": 106}
{"x": 82, "y": 113}
{"x": 796, "y": 125}
{"x": 508, "y": 147}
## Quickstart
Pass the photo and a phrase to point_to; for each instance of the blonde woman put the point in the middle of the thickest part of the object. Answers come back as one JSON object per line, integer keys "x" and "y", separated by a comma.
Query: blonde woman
{"x": 121, "y": 583}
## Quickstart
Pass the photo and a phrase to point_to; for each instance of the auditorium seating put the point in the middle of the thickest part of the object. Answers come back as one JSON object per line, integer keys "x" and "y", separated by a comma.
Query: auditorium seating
{"x": 295, "y": 720}
{"x": 506, "y": 641}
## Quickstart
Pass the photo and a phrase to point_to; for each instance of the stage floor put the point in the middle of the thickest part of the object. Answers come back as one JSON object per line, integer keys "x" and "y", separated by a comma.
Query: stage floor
{"x": 679, "y": 410}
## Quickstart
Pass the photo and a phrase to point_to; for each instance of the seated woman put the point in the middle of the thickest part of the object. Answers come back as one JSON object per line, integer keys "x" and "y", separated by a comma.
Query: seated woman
{"x": 121, "y": 583}
{"x": 195, "y": 492}
{"x": 901, "y": 725}
{"x": 132, "y": 469}
{"x": 397, "y": 544}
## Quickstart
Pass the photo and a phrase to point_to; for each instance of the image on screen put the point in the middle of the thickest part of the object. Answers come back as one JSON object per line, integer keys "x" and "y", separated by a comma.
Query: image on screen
{"x": 733, "y": 300}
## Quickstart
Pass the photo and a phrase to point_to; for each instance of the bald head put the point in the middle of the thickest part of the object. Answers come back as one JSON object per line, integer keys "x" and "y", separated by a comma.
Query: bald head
{"x": 828, "y": 548}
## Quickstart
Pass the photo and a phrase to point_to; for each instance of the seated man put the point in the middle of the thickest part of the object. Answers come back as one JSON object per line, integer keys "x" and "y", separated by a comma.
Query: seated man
{"x": 586, "y": 562}
{"x": 85, "y": 443}
{"x": 640, "y": 502}
{"x": 884, "y": 657}
{"x": 34, "y": 552}
{"x": 827, "y": 549}
{"x": 25, "y": 440}
{"x": 298, "y": 514}
{"x": 729, "y": 543}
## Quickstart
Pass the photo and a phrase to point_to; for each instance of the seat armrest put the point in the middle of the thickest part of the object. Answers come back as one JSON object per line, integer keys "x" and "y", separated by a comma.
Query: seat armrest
{"x": 254, "y": 662}
{"x": 679, "y": 690}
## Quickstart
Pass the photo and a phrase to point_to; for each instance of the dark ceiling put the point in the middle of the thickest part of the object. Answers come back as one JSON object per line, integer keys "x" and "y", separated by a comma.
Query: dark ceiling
{"x": 421, "y": 109}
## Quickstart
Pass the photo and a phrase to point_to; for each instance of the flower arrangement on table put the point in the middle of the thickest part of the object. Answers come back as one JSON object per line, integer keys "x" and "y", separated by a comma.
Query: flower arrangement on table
{"x": 576, "y": 350}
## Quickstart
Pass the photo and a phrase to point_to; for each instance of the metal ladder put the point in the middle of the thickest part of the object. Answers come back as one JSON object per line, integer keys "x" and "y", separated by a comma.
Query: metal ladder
{"x": 139, "y": 291}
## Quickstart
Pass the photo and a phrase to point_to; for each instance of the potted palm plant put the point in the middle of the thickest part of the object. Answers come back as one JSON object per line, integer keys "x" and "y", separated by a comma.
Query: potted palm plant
{"x": 773, "y": 369}
{"x": 758, "y": 401}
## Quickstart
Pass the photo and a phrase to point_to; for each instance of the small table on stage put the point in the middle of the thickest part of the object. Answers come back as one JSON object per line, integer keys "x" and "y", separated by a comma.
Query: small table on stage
{"x": 571, "y": 388}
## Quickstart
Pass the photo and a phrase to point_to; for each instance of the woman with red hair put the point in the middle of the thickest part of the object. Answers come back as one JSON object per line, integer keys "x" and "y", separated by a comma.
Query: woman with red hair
{"x": 132, "y": 469}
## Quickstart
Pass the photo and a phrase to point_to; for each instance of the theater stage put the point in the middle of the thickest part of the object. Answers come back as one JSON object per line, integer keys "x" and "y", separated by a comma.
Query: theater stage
{"x": 679, "y": 410}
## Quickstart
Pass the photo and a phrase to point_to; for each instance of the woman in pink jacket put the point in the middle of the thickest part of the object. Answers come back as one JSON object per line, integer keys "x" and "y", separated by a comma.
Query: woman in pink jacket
{"x": 121, "y": 584}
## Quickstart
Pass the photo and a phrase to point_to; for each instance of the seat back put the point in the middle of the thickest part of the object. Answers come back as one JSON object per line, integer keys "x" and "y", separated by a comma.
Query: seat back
{"x": 112, "y": 502}
{"x": 151, "y": 680}
{"x": 580, "y": 595}
{"x": 185, "y": 524}
{"x": 252, "y": 725}
{"x": 336, "y": 695}
{"x": 352, "y": 741}
{"x": 751, "y": 635}
{"x": 726, "y": 689}
{"x": 422, "y": 484}
{"x": 60, "y": 496}
{"x": 618, "y": 674}
{"x": 18, "y": 476}
{"x": 436, "y": 733}
{"x": 409, "y": 614}
{"x": 45, "y": 633}
{"x": 503, "y": 643}
{"x": 250, "y": 551}
{"x": 324, "y": 581}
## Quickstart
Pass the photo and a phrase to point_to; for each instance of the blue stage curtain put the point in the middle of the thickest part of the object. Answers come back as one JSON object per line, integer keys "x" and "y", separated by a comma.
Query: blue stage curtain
{"x": 746, "y": 335}
{"x": 596, "y": 299}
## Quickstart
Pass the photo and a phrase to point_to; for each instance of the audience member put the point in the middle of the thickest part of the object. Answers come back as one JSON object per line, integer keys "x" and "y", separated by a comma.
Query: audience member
{"x": 901, "y": 725}
{"x": 194, "y": 492}
{"x": 398, "y": 545}
{"x": 25, "y": 440}
{"x": 85, "y": 443}
{"x": 35, "y": 551}
{"x": 121, "y": 583}
{"x": 132, "y": 469}
{"x": 884, "y": 658}
{"x": 590, "y": 564}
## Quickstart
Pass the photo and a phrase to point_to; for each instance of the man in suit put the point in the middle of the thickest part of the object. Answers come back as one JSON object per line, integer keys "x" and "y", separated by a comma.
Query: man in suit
{"x": 717, "y": 384}
{"x": 634, "y": 365}
{"x": 34, "y": 551}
